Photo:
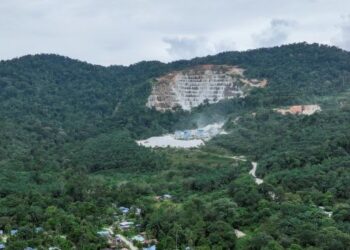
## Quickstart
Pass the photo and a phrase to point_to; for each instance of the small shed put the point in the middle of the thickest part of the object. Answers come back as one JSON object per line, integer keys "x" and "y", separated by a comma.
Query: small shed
{"x": 138, "y": 238}
{"x": 13, "y": 232}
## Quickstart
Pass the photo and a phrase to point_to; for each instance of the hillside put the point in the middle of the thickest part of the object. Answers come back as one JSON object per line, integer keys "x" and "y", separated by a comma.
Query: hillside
{"x": 68, "y": 156}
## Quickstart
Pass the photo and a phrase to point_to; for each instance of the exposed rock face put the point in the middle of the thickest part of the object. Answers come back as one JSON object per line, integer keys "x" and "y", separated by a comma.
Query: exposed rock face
{"x": 190, "y": 88}
{"x": 300, "y": 110}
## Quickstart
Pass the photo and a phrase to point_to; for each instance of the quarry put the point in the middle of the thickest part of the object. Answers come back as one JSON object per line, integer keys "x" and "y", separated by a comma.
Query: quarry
{"x": 299, "y": 110}
{"x": 185, "y": 138}
{"x": 189, "y": 88}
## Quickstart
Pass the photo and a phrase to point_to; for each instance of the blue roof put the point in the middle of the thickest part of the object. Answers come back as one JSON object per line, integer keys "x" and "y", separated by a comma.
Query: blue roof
{"x": 2, "y": 246}
{"x": 150, "y": 248}
{"x": 124, "y": 209}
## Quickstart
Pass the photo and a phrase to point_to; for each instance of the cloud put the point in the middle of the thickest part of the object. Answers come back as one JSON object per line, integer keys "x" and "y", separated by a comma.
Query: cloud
{"x": 343, "y": 39}
{"x": 189, "y": 47}
{"x": 276, "y": 34}
{"x": 123, "y": 31}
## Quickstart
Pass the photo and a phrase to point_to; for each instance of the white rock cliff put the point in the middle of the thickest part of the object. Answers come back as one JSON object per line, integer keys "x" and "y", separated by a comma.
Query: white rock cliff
{"x": 191, "y": 87}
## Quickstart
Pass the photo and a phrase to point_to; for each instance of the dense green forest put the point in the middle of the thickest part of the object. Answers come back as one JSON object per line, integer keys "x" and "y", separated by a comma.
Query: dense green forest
{"x": 68, "y": 157}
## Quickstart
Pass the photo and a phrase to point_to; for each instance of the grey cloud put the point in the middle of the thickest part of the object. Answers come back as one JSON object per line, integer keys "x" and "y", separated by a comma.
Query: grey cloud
{"x": 343, "y": 40}
{"x": 276, "y": 34}
{"x": 189, "y": 47}
{"x": 123, "y": 31}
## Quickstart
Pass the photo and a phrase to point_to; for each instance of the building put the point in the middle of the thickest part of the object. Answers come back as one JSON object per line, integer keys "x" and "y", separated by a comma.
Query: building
{"x": 150, "y": 248}
{"x": 138, "y": 211}
{"x": 13, "y": 232}
{"x": 124, "y": 210}
{"x": 138, "y": 238}
{"x": 183, "y": 135}
{"x": 125, "y": 225}
{"x": 167, "y": 197}
{"x": 39, "y": 229}
{"x": 104, "y": 233}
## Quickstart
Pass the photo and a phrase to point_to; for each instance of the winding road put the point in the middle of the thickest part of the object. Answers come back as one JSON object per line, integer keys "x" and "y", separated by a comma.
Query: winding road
{"x": 127, "y": 242}
{"x": 253, "y": 171}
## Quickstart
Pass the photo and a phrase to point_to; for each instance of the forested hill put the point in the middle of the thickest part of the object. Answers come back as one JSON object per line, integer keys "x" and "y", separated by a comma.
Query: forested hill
{"x": 68, "y": 152}
{"x": 74, "y": 95}
{"x": 49, "y": 100}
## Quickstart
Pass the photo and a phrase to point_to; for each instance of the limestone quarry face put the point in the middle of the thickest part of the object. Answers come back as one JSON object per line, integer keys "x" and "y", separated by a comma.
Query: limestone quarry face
{"x": 191, "y": 87}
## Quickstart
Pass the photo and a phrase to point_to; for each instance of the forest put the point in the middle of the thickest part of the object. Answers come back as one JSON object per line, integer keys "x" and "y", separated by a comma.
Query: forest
{"x": 68, "y": 156}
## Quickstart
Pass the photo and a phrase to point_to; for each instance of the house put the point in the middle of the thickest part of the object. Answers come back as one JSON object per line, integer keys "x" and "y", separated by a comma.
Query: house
{"x": 104, "y": 233}
{"x": 183, "y": 135}
{"x": 1, "y": 232}
{"x": 118, "y": 240}
{"x": 138, "y": 211}
{"x": 150, "y": 248}
{"x": 39, "y": 229}
{"x": 13, "y": 232}
{"x": 158, "y": 198}
{"x": 125, "y": 225}
{"x": 124, "y": 210}
{"x": 163, "y": 197}
{"x": 30, "y": 248}
{"x": 167, "y": 197}
{"x": 2, "y": 246}
{"x": 138, "y": 238}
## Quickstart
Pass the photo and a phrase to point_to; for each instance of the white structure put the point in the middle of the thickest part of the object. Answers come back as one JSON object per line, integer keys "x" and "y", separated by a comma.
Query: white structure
{"x": 169, "y": 141}
{"x": 239, "y": 234}
{"x": 126, "y": 224}
{"x": 324, "y": 211}
{"x": 184, "y": 139}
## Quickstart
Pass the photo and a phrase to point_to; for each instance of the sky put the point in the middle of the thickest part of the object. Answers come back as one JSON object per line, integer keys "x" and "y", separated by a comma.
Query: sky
{"x": 110, "y": 32}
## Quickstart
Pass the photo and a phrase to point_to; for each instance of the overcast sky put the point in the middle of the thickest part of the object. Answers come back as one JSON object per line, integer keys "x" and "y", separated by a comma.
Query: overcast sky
{"x": 127, "y": 31}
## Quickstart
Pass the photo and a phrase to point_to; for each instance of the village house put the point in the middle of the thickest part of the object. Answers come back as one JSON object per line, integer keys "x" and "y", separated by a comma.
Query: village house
{"x": 167, "y": 197}
{"x": 104, "y": 233}
{"x": 13, "y": 232}
{"x": 150, "y": 248}
{"x": 138, "y": 238}
{"x": 126, "y": 225}
{"x": 124, "y": 210}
